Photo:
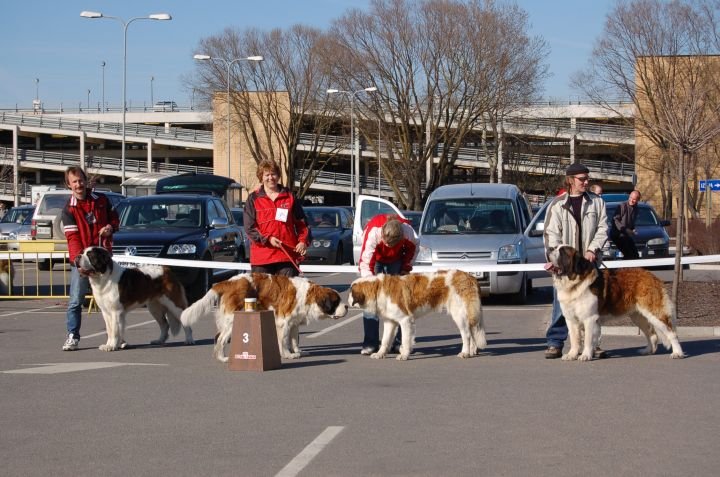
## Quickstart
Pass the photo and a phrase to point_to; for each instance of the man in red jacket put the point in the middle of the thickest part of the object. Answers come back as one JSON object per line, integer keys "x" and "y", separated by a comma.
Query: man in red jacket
{"x": 389, "y": 246}
{"x": 88, "y": 220}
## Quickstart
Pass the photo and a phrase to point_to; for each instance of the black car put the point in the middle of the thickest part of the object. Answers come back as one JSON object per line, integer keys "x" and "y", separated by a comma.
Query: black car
{"x": 181, "y": 226}
{"x": 244, "y": 252}
{"x": 331, "y": 232}
{"x": 652, "y": 241}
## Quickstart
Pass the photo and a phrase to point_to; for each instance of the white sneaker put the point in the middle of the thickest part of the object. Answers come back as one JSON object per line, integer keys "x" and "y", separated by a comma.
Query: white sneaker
{"x": 368, "y": 350}
{"x": 71, "y": 344}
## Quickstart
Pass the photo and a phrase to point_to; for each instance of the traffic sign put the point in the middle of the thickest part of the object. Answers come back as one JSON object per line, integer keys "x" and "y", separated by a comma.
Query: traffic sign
{"x": 714, "y": 185}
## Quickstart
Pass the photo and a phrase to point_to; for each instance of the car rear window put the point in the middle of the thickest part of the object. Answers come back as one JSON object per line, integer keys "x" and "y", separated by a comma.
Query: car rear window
{"x": 52, "y": 204}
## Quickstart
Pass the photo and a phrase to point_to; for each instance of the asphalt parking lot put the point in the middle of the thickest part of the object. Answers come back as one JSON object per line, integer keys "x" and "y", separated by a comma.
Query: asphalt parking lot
{"x": 174, "y": 410}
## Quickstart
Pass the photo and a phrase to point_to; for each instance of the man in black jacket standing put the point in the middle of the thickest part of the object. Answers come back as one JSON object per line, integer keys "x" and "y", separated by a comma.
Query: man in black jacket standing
{"x": 623, "y": 227}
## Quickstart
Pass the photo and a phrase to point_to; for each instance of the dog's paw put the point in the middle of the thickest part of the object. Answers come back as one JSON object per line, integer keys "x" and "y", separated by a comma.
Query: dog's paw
{"x": 678, "y": 355}
{"x": 569, "y": 357}
{"x": 402, "y": 357}
{"x": 292, "y": 355}
{"x": 189, "y": 341}
{"x": 585, "y": 357}
{"x": 107, "y": 347}
{"x": 464, "y": 355}
{"x": 377, "y": 355}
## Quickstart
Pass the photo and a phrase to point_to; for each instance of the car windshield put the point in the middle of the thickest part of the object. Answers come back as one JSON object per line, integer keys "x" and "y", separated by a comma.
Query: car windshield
{"x": 145, "y": 214}
{"x": 324, "y": 218}
{"x": 16, "y": 215}
{"x": 470, "y": 216}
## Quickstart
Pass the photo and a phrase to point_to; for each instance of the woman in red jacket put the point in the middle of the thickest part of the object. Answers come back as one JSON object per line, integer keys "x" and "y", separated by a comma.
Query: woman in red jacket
{"x": 275, "y": 223}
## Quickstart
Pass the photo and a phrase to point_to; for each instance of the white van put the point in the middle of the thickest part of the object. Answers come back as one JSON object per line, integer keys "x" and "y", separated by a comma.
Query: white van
{"x": 468, "y": 224}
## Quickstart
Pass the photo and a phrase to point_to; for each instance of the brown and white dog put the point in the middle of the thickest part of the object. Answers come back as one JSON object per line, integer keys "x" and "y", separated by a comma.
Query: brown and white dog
{"x": 296, "y": 301}
{"x": 400, "y": 299}
{"x": 587, "y": 294}
{"x": 117, "y": 290}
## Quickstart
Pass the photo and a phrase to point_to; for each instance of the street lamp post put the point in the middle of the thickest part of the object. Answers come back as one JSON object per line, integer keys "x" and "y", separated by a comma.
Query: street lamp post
{"x": 125, "y": 24}
{"x": 354, "y": 155}
{"x": 152, "y": 102}
{"x": 103, "y": 86}
{"x": 88, "y": 101}
{"x": 37, "y": 89}
{"x": 228, "y": 63}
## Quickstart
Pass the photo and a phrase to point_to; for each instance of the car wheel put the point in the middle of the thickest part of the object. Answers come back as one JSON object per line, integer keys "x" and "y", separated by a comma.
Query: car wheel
{"x": 202, "y": 284}
{"x": 520, "y": 298}
{"x": 44, "y": 265}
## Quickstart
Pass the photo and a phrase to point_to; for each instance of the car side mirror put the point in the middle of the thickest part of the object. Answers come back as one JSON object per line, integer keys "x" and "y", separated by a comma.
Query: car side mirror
{"x": 219, "y": 223}
{"x": 538, "y": 230}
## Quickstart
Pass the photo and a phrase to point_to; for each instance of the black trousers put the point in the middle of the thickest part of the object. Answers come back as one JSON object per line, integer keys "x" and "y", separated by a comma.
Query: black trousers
{"x": 627, "y": 246}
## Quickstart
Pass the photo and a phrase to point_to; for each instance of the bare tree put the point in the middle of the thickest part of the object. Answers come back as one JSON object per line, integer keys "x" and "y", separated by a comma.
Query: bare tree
{"x": 443, "y": 69}
{"x": 277, "y": 100}
{"x": 657, "y": 54}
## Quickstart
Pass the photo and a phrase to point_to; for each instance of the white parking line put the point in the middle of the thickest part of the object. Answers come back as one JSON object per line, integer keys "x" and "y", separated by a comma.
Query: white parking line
{"x": 102, "y": 333}
{"x": 335, "y": 326}
{"x": 26, "y": 311}
{"x": 308, "y": 453}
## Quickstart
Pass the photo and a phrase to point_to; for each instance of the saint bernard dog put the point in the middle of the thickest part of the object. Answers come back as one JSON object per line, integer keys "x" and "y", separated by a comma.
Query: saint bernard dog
{"x": 400, "y": 299}
{"x": 587, "y": 294}
{"x": 117, "y": 290}
{"x": 295, "y": 301}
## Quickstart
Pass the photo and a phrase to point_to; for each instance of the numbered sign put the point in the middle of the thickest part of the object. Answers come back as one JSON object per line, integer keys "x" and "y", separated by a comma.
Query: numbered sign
{"x": 254, "y": 345}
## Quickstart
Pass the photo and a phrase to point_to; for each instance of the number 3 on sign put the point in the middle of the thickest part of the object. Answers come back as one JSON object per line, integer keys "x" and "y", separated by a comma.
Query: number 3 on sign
{"x": 246, "y": 337}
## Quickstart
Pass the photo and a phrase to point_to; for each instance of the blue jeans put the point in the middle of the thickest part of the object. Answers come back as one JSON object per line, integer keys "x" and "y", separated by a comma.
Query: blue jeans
{"x": 557, "y": 333}
{"x": 79, "y": 287}
{"x": 371, "y": 323}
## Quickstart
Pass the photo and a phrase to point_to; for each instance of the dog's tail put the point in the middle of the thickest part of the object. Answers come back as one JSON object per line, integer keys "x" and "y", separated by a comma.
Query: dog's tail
{"x": 200, "y": 309}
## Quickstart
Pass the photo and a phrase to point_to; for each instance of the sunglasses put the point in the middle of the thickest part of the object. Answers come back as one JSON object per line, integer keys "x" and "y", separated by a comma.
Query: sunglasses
{"x": 582, "y": 178}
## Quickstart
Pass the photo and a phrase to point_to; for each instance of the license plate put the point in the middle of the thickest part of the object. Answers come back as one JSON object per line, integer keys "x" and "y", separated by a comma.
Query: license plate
{"x": 478, "y": 275}
{"x": 44, "y": 230}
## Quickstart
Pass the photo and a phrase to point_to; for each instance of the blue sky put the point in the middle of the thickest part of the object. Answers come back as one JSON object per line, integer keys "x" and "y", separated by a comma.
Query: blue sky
{"x": 48, "y": 40}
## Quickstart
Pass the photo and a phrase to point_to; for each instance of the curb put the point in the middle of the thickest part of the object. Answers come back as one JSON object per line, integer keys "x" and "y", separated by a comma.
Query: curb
{"x": 682, "y": 331}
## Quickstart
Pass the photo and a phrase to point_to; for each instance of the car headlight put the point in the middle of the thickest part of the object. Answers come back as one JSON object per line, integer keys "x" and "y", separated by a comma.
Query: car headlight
{"x": 321, "y": 243}
{"x": 424, "y": 255}
{"x": 511, "y": 251}
{"x": 12, "y": 236}
{"x": 656, "y": 241}
{"x": 182, "y": 249}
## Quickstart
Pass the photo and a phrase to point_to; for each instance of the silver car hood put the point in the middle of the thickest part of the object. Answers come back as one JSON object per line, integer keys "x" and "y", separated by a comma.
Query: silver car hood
{"x": 467, "y": 246}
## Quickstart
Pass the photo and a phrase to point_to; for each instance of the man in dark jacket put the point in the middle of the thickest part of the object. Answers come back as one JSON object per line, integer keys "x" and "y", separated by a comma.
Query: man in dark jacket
{"x": 623, "y": 227}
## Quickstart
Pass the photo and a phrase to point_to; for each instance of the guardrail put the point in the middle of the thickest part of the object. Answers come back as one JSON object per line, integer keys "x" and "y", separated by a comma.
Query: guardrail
{"x": 37, "y": 159}
{"x": 114, "y": 128}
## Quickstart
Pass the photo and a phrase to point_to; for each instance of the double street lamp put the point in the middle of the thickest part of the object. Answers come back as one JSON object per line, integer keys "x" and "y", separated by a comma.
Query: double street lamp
{"x": 125, "y": 24}
{"x": 228, "y": 64}
{"x": 354, "y": 155}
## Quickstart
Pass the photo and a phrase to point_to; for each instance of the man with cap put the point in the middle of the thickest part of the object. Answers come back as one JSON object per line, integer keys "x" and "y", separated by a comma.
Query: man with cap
{"x": 578, "y": 218}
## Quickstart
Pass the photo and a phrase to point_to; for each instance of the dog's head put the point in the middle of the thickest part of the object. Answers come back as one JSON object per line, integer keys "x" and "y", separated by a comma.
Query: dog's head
{"x": 363, "y": 293}
{"x": 328, "y": 300}
{"x": 96, "y": 260}
{"x": 569, "y": 262}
